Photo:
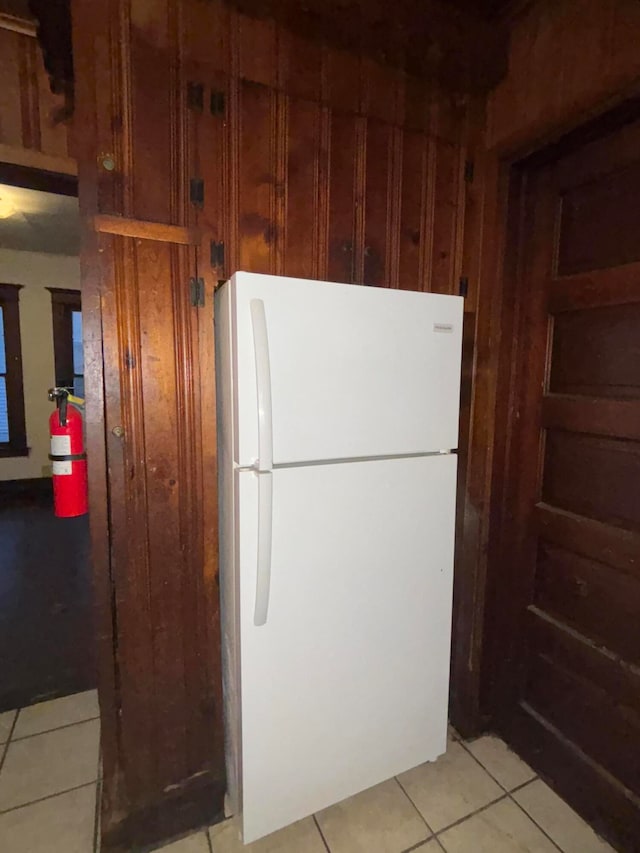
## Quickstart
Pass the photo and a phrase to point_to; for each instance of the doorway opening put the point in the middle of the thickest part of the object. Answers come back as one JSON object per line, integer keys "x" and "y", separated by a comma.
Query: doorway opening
{"x": 47, "y": 635}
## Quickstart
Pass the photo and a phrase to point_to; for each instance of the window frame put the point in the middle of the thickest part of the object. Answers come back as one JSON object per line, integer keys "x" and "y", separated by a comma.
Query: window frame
{"x": 14, "y": 377}
{"x": 64, "y": 301}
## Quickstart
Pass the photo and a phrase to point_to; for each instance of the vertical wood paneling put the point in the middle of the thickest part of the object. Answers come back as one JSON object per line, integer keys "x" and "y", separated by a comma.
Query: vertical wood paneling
{"x": 342, "y": 198}
{"x": 30, "y": 103}
{"x": 343, "y": 79}
{"x": 10, "y": 109}
{"x": 53, "y": 132}
{"x": 128, "y": 514}
{"x": 301, "y": 65}
{"x": 381, "y": 89}
{"x": 302, "y": 220}
{"x": 307, "y": 172}
{"x": 209, "y": 138}
{"x": 31, "y": 116}
{"x": 412, "y": 236}
{"x": 163, "y": 423}
{"x": 443, "y": 256}
{"x": 281, "y": 149}
{"x": 416, "y": 104}
{"x": 257, "y": 50}
{"x": 152, "y": 83}
{"x": 360, "y": 199}
{"x": 207, "y": 38}
{"x": 378, "y": 203}
{"x": 256, "y": 178}
{"x": 212, "y": 146}
{"x": 323, "y": 189}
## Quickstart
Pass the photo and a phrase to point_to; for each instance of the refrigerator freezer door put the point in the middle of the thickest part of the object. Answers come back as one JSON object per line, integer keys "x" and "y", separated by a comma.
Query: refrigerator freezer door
{"x": 333, "y": 371}
{"x": 345, "y": 683}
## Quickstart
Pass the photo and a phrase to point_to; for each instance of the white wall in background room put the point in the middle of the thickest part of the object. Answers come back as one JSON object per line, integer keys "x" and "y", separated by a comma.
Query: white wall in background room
{"x": 36, "y": 271}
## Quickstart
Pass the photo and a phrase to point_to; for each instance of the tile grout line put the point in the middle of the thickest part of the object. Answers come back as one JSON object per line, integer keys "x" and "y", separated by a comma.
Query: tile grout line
{"x": 209, "y": 841}
{"x": 532, "y": 819}
{"x": 96, "y": 817}
{"x": 471, "y": 814}
{"x": 56, "y": 729}
{"x": 8, "y": 741}
{"x": 489, "y": 773}
{"x": 47, "y": 797}
{"x": 511, "y": 791}
{"x": 324, "y": 840}
{"x": 418, "y": 845}
{"x": 422, "y": 817}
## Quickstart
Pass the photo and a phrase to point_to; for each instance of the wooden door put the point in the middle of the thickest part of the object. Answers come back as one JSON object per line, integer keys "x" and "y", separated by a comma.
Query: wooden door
{"x": 567, "y": 617}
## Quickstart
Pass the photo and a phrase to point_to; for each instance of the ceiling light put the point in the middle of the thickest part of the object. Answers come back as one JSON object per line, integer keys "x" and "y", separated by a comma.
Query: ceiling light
{"x": 6, "y": 209}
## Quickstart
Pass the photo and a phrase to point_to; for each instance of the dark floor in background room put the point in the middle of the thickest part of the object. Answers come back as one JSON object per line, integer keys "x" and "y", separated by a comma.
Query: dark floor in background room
{"x": 46, "y": 618}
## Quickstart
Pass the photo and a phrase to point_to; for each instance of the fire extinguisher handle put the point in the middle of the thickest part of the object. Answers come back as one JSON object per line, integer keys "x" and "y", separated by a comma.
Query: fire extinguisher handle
{"x": 61, "y": 396}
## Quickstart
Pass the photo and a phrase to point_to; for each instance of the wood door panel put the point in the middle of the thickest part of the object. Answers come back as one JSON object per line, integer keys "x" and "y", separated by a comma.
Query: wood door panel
{"x": 611, "y": 808}
{"x": 591, "y": 597}
{"x": 592, "y": 415}
{"x": 568, "y": 644}
{"x": 593, "y": 476}
{"x": 571, "y": 703}
{"x": 617, "y": 286}
{"x": 611, "y": 545}
{"x": 575, "y": 652}
{"x": 596, "y": 230}
{"x": 597, "y": 351}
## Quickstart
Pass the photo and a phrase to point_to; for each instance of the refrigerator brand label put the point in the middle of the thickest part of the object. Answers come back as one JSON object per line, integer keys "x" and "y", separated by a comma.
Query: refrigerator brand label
{"x": 443, "y": 327}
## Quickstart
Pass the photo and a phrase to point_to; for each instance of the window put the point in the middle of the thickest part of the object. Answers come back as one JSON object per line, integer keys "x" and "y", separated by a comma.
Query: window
{"x": 13, "y": 437}
{"x": 67, "y": 339}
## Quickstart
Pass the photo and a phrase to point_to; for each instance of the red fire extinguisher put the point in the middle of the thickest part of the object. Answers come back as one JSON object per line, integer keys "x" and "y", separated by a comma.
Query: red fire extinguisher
{"x": 68, "y": 457}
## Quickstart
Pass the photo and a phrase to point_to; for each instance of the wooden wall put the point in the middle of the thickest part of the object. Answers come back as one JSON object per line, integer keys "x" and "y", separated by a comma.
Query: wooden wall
{"x": 33, "y": 129}
{"x": 565, "y": 59}
{"x": 314, "y": 163}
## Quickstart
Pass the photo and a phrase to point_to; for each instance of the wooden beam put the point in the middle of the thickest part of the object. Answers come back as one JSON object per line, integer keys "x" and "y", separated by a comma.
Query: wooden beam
{"x": 17, "y": 25}
{"x": 31, "y": 159}
{"x": 145, "y": 230}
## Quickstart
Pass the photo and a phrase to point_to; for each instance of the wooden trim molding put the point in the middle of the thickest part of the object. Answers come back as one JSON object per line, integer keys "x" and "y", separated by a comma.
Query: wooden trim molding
{"x": 30, "y": 159}
{"x": 17, "y": 444}
{"x": 17, "y": 25}
{"x": 145, "y": 230}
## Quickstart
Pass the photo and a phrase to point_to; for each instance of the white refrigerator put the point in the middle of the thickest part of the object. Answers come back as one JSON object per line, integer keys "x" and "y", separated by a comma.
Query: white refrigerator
{"x": 337, "y": 426}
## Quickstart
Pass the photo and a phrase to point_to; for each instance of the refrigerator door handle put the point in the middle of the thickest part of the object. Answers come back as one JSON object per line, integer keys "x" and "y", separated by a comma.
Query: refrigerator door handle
{"x": 263, "y": 573}
{"x": 263, "y": 382}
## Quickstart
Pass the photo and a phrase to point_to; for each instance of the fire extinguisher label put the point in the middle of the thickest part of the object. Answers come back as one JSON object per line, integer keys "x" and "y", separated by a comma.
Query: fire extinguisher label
{"x": 61, "y": 446}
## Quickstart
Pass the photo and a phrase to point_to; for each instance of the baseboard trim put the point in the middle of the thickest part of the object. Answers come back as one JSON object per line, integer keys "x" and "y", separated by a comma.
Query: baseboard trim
{"x": 196, "y": 803}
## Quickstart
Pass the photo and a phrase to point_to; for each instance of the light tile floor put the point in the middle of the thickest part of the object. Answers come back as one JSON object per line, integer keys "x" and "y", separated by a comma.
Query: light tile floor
{"x": 478, "y": 798}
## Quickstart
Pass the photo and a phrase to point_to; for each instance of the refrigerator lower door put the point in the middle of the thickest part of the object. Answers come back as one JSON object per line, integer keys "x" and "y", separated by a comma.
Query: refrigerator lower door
{"x": 345, "y": 626}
